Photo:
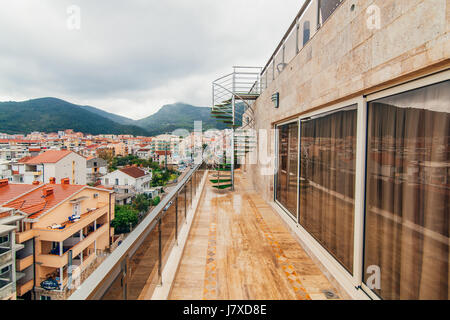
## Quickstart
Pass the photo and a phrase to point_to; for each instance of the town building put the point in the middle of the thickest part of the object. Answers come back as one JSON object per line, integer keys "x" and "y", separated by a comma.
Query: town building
{"x": 96, "y": 168}
{"x": 56, "y": 164}
{"x": 63, "y": 230}
{"x": 140, "y": 178}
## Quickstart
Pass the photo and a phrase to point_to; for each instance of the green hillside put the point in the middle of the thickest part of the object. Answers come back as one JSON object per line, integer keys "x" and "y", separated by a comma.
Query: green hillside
{"x": 51, "y": 115}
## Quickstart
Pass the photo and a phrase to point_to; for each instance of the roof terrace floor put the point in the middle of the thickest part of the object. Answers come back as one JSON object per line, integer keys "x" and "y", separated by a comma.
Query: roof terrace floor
{"x": 239, "y": 248}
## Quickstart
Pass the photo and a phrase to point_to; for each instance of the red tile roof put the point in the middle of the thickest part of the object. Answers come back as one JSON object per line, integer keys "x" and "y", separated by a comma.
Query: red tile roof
{"x": 35, "y": 204}
{"x": 51, "y": 156}
{"x": 133, "y": 172}
{"x": 11, "y": 191}
{"x": 163, "y": 153}
{"x": 25, "y": 159}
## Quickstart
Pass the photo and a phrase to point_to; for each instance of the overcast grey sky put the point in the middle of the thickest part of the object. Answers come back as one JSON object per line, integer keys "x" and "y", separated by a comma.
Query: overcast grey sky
{"x": 131, "y": 57}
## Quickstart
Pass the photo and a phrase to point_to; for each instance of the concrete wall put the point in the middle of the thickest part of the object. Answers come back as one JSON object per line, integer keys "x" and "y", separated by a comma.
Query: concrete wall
{"x": 346, "y": 59}
{"x": 65, "y": 169}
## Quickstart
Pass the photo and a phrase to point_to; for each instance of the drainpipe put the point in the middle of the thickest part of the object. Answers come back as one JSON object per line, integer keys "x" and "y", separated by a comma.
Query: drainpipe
{"x": 109, "y": 218}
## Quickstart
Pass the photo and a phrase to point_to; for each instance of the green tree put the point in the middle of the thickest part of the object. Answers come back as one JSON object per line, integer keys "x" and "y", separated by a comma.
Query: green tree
{"x": 156, "y": 201}
{"x": 141, "y": 203}
{"x": 124, "y": 217}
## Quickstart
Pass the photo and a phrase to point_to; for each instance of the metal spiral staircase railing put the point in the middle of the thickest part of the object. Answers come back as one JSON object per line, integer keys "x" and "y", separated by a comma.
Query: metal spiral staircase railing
{"x": 233, "y": 98}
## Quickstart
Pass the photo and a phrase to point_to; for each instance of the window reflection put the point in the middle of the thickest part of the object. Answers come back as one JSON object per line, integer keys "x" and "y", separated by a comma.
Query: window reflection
{"x": 327, "y": 181}
{"x": 287, "y": 175}
{"x": 408, "y": 191}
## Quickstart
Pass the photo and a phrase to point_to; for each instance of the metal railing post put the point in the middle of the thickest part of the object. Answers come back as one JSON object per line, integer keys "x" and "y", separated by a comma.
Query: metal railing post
{"x": 159, "y": 253}
{"x": 176, "y": 219}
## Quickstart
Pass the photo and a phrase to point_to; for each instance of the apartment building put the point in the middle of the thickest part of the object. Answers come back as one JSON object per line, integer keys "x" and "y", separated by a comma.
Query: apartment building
{"x": 22, "y": 269}
{"x": 355, "y": 106}
{"x": 138, "y": 178}
{"x": 96, "y": 168}
{"x": 56, "y": 164}
{"x": 63, "y": 231}
{"x": 7, "y": 262}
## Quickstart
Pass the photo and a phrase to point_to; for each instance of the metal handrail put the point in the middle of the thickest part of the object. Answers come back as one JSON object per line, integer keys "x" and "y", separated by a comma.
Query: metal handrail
{"x": 100, "y": 280}
{"x": 293, "y": 26}
{"x": 286, "y": 35}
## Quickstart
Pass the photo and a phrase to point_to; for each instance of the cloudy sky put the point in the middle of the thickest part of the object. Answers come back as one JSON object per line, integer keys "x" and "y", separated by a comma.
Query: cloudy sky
{"x": 131, "y": 57}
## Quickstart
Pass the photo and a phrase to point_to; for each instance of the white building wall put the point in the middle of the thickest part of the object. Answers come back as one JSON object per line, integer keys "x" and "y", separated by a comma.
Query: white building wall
{"x": 73, "y": 166}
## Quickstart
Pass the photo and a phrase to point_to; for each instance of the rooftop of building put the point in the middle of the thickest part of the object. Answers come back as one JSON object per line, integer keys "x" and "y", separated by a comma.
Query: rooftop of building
{"x": 34, "y": 203}
{"x": 134, "y": 172}
{"x": 51, "y": 156}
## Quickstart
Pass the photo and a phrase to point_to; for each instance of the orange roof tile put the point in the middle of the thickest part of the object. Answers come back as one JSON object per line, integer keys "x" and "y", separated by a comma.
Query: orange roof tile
{"x": 133, "y": 172}
{"x": 51, "y": 156}
{"x": 11, "y": 191}
{"x": 24, "y": 159}
{"x": 34, "y": 204}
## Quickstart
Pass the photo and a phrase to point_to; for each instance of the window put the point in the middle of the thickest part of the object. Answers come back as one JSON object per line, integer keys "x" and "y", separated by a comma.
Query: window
{"x": 4, "y": 239}
{"x": 287, "y": 174}
{"x": 327, "y": 7}
{"x": 327, "y": 181}
{"x": 117, "y": 182}
{"x": 306, "y": 32}
{"x": 408, "y": 193}
{"x": 77, "y": 209}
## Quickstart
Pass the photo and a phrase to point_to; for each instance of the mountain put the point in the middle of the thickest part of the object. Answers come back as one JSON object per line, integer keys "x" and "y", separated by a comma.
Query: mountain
{"x": 52, "y": 115}
{"x": 110, "y": 116}
{"x": 179, "y": 116}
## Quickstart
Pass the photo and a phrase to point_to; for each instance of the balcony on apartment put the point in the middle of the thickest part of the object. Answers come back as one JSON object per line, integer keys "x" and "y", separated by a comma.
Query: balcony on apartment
{"x": 55, "y": 254}
{"x": 66, "y": 229}
{"x": 204, "y": 243}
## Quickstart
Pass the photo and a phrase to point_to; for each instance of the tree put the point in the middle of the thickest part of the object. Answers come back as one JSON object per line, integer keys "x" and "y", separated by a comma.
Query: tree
{"x": 124, "y": 217}
{"x": 156, "y": 201}
{"x": 141, "y": 203}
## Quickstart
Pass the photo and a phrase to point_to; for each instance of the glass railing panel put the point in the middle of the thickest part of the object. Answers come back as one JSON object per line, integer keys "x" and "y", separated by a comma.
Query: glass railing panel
{"x": 264, "y": 80}
{"x": 143, "y": 274}
{"x": 307, "y": 24}
{"x": 327, "y": 7}
{"x": 182, "y": 207}
{"x": 270, "y": 73}
{"x": 290, "y": 50}
{"x": 188, "y": 195}
{"x": 168, "y": 231}
{"x": 279, "y": 62}
{"x": 133, "y": 269}
{"x": 116, "y": 290}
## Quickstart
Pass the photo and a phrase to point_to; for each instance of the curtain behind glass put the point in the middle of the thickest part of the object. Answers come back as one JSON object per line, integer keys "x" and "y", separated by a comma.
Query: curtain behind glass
{"x": 288, "y": 167}
{"x": 327, "y": 181}
{"x": 407, "y": 200}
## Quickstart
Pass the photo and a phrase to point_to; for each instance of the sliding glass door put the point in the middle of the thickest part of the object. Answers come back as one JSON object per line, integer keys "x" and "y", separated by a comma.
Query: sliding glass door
{"x": 287, "y": 171}
{"x": 369, "y": 188}
{"x": 327, "y": 181}
{"x": 408, "y": 194}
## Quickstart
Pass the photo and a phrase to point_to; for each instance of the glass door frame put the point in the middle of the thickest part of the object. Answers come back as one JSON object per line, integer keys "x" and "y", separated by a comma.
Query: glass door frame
{"x": 350, "y": 282}
{"x": 293, "y": 217}
{"x": 425, "y": 81}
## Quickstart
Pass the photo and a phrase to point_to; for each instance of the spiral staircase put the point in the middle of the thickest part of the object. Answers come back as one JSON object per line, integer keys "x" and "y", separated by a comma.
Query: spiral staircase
{"x": 233, "y": 99}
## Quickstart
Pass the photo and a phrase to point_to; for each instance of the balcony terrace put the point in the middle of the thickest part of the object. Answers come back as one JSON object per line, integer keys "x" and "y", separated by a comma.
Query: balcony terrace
{"x": 237, "y": 248}
{"x": 240, "y": 249}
